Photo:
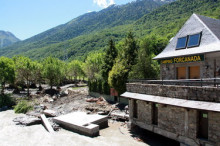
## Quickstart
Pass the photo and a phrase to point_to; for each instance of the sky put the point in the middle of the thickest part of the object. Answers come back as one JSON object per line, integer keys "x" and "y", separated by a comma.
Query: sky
{"x": 26, "y": 18}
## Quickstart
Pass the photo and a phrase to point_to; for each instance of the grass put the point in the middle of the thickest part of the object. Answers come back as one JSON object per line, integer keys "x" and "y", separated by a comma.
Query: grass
{"x": 23, "y": 107}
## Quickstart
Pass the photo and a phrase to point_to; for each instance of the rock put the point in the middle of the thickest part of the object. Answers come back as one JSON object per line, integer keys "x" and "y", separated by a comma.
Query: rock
{"x": 43, "y": 106}
{"x": 63, "y": 93}
{"x": 27, "y": 121}
{"x": 50, "y": 113}
{"x": 51, "y": 100}
{"x": 54, "y": 97}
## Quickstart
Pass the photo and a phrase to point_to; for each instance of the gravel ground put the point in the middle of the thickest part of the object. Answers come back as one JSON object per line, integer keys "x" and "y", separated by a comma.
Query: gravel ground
{"x": 11, "y": 134}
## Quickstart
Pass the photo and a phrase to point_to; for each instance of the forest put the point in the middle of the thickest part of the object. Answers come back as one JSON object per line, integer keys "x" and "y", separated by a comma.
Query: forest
{"x": 111, "y": 68}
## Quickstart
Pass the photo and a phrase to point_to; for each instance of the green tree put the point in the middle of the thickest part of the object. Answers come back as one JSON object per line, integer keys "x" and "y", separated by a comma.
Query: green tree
{"x": 118, "y": 76}
{"x": 146, "y": 67}
{"x": 53, "y": 71}
{"x": 75, "y": 69}
{"x": 92, "y": 68}
{"x": 126, "y": 59}
{"x": 24, "y": 70}
{"x": 108, "y": 62}
{"x": 7, "y": 72}
{"x": 93, "y": 65}
{"x": 37, "y": 73}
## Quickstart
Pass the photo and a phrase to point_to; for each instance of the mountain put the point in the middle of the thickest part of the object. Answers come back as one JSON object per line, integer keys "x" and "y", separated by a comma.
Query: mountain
{"x": 92, "y": 31}
{"x": 86, "y": 24}
{"x": 7, "y": 38}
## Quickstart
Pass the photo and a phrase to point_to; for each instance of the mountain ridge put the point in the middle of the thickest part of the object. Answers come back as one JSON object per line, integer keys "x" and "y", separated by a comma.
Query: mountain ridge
{"x": 164, "y": 21}
{"x": 7, "y": 38}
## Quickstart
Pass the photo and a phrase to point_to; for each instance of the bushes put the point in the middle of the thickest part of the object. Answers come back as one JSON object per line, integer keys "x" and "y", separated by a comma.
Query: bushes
{"x": 6, "y": 100}
{"x": 23, "y": 107}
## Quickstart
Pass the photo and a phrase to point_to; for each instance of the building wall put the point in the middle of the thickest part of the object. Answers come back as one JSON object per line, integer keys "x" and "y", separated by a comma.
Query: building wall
{"x": 176, "y": 123}
{"x": 209, "y": 68}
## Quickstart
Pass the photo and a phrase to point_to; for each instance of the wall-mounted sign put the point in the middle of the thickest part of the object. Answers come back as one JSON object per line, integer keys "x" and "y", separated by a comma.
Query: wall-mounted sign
{"x": 185, "y": 59}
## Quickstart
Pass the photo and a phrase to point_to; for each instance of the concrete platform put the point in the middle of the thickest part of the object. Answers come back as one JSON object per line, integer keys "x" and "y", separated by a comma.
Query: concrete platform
{"x": 83, "y": 123}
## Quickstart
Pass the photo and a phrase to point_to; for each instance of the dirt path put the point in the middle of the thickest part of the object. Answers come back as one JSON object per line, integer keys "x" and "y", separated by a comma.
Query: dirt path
{"x": 11, "y": 134}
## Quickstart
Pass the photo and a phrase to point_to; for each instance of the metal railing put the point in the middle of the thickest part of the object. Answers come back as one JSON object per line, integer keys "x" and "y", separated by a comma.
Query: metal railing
{"x": 204, "y": 82}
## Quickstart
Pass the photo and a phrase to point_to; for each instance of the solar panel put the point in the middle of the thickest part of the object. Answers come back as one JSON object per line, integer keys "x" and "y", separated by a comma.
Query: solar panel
{"x": 181, "y": 43}
{"x": 194, "y": 40}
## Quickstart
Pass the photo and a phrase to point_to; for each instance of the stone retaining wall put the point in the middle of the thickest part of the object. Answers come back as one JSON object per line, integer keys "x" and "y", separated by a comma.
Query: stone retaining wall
{"x": 210, "y": 94}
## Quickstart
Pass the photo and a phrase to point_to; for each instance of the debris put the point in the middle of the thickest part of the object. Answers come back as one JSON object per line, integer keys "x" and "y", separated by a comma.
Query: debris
{"x": 27, "y": 121}
{"x": 50, "y": 113}
{"x": 121, "y": 115}
{"x": 46, "y": 124}
{"x": 83, "y": 123}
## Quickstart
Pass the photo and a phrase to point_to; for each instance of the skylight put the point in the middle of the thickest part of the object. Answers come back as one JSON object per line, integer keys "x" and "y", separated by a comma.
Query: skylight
{"x": 181, "y": 43}
{"x": 194, "y": 40}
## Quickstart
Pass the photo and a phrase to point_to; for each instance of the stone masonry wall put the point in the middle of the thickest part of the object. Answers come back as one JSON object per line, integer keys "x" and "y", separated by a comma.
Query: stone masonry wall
{"x": 209, "y": 68}
{"x": 144, "y": 116}
{"x": 176, "y": 123}
{"x": 214, "y": 127}
{"x": 171, "y": 119}
{"x": 174, "y": 91}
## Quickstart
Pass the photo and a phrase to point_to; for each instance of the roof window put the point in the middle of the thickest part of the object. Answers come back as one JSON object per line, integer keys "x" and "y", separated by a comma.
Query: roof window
{"x": 194, "y": 40}
{"x": 181, "y": 43}
{"x": 188, "y": 41}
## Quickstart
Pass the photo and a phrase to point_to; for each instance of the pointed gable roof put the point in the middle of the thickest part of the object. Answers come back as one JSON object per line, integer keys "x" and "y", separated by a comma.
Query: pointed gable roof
{"x": 210, "y": 39}
{"x": 212, "y": 24}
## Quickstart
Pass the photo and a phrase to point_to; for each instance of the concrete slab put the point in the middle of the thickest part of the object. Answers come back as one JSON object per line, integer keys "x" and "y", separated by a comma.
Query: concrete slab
{"x": 83, "y": 123}
{"x": 46, "y": 123}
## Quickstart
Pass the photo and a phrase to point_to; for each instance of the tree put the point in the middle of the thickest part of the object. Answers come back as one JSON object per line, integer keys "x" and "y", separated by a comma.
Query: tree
{"x": 146, "y": 67}
{"x": 108, "y": 62}
{"x": 93, "y": 65}
{"x": 129, "y": 51}
{"x": 92, "y": 68}
{"x": 37, "y": 73}
{"x": 118, "y": 76}
{"x": 75, "y": 69}
{"x": 7, "y": 72}
{"x": 52, "y": 71}
{"x": 126, "y": 59}
{"x": 24, "y": 70}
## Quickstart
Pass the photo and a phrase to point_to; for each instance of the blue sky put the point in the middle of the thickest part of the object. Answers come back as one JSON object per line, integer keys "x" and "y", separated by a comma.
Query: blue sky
{"x": 26, "y": 18}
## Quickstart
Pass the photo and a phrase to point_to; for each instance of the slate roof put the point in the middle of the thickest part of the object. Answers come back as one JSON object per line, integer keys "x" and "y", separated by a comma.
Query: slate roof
{"x": 212, "y": 24}
{"x": 210, "y": 41}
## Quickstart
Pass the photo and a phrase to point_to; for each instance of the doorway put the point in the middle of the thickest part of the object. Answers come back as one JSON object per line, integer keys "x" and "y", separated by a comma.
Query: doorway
{"x": 181, "y": 72}
{"x": 203, "y": 124}
{"x": 194, "y": 72}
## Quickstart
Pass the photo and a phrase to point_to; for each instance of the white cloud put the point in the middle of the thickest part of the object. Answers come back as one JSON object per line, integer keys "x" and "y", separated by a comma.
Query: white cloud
{"x": 104, "y": 3}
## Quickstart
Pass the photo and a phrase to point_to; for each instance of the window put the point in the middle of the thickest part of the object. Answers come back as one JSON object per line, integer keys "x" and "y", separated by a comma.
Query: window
{"x": 154, "y": 113}
{"x": 181, "y": 43}
{"x": 135, "y": 109}
{"x": 194, "y": 40}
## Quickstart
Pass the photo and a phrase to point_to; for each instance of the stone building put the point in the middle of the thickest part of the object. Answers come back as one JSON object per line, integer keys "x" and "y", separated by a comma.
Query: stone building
{"x": 181, "y": 106}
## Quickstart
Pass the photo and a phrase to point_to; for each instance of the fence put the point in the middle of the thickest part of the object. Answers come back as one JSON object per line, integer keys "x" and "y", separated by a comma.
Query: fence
{"x": 214, "y": 82}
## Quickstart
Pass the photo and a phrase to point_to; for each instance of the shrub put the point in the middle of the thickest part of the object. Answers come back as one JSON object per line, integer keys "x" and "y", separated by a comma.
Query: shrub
{"x": 23, "y": 107}
{"x": 6, "y": 100}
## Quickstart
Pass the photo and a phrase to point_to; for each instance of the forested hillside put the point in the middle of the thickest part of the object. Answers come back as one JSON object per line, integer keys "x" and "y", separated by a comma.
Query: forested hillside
{"x": 164, "y": 21}
{"x": 83, "y": 25}
{"x": 7, "y": 38}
